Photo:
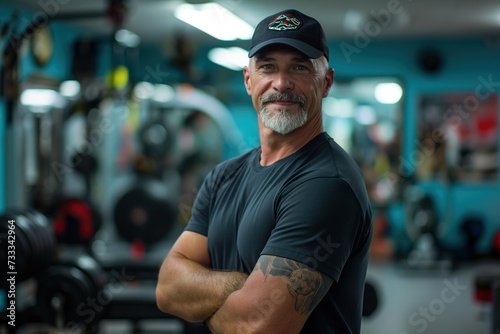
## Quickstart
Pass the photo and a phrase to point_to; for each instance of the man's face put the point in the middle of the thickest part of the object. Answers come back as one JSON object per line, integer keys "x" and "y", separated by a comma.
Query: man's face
{"x": 286, "y": 87}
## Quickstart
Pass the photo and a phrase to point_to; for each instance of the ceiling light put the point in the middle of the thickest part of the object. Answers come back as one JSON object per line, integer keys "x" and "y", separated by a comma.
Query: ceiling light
{"x": 388, "y": 93}
{"x": 41, "y": 100}
{"x": 214, "y": 20}
{"x": 353, "y": 20}
{"x": 69, "y": 88}
{"x": 127, "y": 38}
{"x": 234, "y": 58}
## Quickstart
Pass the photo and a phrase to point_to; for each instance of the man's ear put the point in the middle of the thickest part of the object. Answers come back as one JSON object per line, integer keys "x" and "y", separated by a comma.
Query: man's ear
{"x": 246, "y": 78}
{"x": 329, "y": 79}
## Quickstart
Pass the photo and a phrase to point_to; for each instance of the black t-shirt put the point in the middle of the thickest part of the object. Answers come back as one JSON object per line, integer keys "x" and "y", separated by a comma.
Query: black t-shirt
{"x": 311, "y": 206}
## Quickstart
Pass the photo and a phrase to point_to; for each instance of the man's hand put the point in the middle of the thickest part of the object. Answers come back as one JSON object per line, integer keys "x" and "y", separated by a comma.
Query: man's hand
{"x": 187, "y": 288}
{"x": 277, "y": 297}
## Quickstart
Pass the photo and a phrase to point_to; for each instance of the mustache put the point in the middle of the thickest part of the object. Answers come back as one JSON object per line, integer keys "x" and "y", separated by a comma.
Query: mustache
{"x": 283, "y": 97}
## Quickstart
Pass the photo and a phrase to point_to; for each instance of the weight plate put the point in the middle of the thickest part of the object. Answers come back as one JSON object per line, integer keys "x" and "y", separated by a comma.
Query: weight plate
{"x": 20, "y": 241}
{"x": 62, "y": 296}
{"x": 156, "y": 139}
{"x": 142, "y": 214}
{"x": 45, "y": 234}
{"x": 76, "y": 221}
{"x": 72, "y": 291}
{"x": 25, "y": 263}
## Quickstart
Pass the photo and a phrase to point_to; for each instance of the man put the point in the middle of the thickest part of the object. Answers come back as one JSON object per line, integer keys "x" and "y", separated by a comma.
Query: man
{"x": 278, "y": 238}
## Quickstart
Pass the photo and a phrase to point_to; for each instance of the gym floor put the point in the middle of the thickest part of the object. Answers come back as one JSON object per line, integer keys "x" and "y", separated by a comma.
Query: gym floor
{"x": 409, "y": 303}
{"x": 430, "y": 303}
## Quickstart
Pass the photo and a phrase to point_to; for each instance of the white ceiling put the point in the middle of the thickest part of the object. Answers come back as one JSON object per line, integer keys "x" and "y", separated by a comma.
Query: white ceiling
{"x": 154, "y": 22}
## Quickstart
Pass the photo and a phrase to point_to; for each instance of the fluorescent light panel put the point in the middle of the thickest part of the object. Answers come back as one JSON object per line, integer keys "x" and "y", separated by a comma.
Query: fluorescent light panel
{"x": 233, "y": 58}
{"x": 47, "y": 98}
{"x": 214, "y": 20}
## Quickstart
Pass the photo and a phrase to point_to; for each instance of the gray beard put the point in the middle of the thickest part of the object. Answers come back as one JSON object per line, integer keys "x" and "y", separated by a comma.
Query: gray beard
{"x": 283, "y": 121}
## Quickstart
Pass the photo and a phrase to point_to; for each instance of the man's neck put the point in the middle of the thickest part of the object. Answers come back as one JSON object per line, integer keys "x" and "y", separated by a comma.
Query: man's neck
{"x": 275, "y": 146}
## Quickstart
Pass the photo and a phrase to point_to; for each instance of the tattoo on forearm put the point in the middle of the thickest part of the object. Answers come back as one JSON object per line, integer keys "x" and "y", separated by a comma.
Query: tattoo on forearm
{"x": 304, "y": 284}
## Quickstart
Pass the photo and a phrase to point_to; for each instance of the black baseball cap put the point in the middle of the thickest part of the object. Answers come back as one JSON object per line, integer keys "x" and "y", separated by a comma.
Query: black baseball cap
{"x": 292, "y": 28}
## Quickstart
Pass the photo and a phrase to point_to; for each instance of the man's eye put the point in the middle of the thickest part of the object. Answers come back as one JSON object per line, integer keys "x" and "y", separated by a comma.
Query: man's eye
{"x": 267, "y": 66}
{"x": 300, "y": 68}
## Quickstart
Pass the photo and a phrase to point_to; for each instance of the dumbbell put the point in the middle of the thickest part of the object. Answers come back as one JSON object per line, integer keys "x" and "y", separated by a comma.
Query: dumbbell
{"x": 70, "y": 293}
{"x": 31, "y": 241}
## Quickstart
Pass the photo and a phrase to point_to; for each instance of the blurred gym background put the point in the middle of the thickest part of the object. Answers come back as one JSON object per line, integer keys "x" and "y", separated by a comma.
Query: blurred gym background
{"x": 112, "y": 113}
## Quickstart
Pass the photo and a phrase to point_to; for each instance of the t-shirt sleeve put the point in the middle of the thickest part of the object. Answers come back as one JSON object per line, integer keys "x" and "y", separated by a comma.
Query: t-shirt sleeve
{"x": 201, "y": 208}
{"x": 317, "y": 224}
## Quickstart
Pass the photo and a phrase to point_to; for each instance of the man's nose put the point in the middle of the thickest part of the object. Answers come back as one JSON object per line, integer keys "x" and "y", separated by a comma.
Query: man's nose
{"x": 282, "y": 82}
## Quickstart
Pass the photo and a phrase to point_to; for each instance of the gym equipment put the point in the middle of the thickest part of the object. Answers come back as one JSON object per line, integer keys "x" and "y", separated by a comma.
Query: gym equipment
{"x": 473, "y": 228}
{"x": 188, "y": 98}
{"x": 496, "y": 307}
{"x": 487, "y": 291}
{"x": 422, "y": 226}
{"x": 156, "y": 139}
{"x": 157, "y": 143}
{"x": 495, "y": 247}
{"x": 84, "y": 163}
{"x": 77, "y": 294}
{"x": 146, "y": 211}
{"x": 76, "y": 218}
{"x": 71, "y": 292}
{"x": 76, "y": 221}
{"x": 35, "y": 242}
{"x": 9, "y": 72}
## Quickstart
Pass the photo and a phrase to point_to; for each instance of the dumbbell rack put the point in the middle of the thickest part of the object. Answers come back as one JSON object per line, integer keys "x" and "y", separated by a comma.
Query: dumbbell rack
{"x": 73, "y": 288}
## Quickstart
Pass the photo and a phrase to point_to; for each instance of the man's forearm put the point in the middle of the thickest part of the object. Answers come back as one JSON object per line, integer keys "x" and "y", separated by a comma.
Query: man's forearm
{"x": 230, "y": 320}
{"x": 193, "y": 292}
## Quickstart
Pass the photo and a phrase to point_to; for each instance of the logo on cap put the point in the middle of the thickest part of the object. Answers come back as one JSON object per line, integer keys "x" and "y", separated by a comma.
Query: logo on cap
{"x": 284, "y": 22}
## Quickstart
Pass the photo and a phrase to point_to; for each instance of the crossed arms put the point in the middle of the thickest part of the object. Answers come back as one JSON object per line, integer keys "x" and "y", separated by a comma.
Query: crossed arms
{"x": 277, "y": 297}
